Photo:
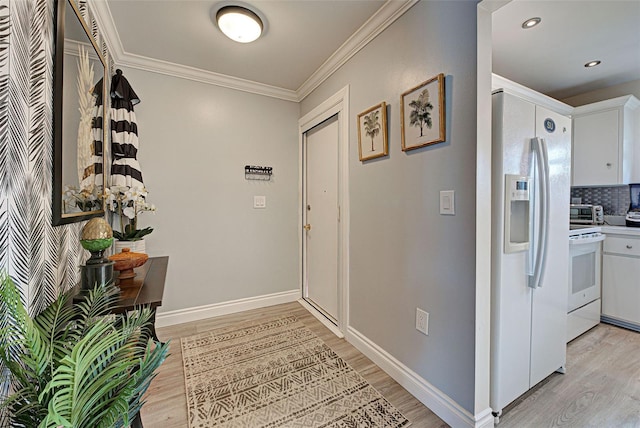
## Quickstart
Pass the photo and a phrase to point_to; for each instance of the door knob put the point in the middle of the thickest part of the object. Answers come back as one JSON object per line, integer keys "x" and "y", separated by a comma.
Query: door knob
{"x": 307, "y": 227}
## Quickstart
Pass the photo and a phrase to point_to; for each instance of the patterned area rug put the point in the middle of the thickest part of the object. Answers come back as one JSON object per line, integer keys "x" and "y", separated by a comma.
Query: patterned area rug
{"x": 277, "y": 374}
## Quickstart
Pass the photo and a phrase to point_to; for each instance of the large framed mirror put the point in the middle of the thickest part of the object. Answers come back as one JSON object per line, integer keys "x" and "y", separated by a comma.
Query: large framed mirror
{"x": 79, "y": 127}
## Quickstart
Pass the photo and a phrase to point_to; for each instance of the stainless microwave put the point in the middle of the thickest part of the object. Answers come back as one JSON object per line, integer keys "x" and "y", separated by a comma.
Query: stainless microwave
{"x": 586, "y": 214}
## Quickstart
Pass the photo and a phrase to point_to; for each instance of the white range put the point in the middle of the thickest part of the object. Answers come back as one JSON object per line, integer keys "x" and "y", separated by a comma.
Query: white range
{"x": 585, "y": 266}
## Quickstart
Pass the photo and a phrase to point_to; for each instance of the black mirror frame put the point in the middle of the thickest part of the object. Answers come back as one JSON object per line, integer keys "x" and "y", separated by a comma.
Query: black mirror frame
{"x": 58, "y": 218}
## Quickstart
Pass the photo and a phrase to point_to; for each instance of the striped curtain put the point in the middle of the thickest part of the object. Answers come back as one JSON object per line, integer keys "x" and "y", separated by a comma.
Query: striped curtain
{"x": 125, "y": 169}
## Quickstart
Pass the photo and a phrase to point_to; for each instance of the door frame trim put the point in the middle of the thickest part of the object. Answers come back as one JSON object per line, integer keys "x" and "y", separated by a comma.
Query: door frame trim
{"x": 336, "y": 104}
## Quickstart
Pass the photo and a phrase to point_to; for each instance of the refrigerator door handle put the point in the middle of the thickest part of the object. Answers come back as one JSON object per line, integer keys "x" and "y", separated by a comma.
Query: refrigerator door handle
{"x": 539, "y": 147}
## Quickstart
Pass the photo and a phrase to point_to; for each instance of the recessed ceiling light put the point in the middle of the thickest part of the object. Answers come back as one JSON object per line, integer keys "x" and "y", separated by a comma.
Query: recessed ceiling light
{"x": 592, "y": 63}
{"x": 531, "y": 22}
{"x": 239, "y": 23}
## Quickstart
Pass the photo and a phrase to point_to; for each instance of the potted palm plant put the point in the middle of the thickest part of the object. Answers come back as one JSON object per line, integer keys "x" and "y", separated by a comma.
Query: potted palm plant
{"x": 73, "y": 365}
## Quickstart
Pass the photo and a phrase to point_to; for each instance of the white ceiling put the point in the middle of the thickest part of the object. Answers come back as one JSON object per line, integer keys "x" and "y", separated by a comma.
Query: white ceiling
{"x": 300, "y": 36}
{"x": 307, "y": 38}
{"x": 550, "y": 58}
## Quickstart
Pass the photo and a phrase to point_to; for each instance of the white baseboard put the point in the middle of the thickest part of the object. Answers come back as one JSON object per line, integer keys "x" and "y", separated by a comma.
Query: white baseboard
{"x": 437, "y": 401}
{"x": 165, "y": 319}
{"x": 320, "y": 317}
{"x": 485, "y": 419}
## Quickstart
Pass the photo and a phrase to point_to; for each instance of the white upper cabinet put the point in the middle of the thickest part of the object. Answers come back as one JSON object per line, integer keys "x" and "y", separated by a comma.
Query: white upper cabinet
{"x": 606, "y": 142}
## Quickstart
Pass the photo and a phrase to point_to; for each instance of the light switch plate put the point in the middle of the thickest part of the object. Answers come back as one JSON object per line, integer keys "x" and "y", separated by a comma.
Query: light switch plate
{"x": 447, "y": 202}
{"x": 259, "y": 202}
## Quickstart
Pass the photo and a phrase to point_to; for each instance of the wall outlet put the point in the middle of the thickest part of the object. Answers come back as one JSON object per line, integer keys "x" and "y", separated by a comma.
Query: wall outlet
{"x": 260, "y": 202}
{"x": 422, "y": 321}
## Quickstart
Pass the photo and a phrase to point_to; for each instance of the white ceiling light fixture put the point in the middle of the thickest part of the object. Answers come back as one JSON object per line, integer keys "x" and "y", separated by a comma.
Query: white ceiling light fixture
{"x": 592, "y": 63}
{"x": 531, "y": 22}
{"x": 239, "y": 23}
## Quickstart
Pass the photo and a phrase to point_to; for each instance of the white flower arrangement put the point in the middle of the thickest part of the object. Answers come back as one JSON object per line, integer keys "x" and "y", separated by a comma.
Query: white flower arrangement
{"x": 127, "y": 203}
{"x": 75, "y": 200}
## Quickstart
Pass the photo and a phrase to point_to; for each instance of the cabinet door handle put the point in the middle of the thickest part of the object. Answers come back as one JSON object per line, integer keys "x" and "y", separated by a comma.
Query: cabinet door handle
{"x": 608, "y": 164}
{"x": 629, "y": 246}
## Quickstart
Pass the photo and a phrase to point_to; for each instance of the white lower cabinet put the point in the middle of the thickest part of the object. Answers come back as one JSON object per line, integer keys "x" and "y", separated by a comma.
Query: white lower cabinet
{"x": 621, "y": 281}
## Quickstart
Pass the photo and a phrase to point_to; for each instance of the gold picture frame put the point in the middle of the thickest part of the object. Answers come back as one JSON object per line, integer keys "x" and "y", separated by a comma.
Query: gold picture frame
{"x": 422, "y": 110}
{"x": 372, "y": 123}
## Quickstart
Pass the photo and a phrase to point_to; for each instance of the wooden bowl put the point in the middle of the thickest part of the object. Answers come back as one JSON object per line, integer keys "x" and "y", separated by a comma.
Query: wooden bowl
{"x": 126, "y": 261}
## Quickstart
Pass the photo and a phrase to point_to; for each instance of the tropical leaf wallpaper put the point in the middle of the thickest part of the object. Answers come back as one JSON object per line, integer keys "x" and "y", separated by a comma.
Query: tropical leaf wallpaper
{"x": 42, "y": 260}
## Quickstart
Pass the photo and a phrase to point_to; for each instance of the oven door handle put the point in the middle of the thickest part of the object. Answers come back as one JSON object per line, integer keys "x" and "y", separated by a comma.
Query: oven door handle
{"x": 587, "y": 240}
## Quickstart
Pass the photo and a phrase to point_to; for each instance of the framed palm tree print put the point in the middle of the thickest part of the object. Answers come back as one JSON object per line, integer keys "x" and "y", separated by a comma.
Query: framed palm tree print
{"x": 423, "y": 114}
{"x": 372, "y": 132}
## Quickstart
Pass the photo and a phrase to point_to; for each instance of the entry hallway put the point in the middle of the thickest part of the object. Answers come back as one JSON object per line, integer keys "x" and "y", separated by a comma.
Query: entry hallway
{"x": 601, "y": 387}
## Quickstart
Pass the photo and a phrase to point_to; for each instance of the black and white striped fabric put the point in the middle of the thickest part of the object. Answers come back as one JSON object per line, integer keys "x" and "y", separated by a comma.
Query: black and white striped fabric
{"x": 97, "y": 126}
{"x": 125, "y": 169}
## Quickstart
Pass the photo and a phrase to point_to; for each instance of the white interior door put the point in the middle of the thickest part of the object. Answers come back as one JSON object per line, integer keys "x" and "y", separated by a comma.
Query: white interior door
{"x": 321, "y": 217}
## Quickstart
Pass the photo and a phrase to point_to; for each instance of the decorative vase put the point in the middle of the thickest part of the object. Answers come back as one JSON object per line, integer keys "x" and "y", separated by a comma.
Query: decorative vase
{"x": 126, "y": 261}
{"x": 134, "y": 246}
{"x": 96, "y": 237}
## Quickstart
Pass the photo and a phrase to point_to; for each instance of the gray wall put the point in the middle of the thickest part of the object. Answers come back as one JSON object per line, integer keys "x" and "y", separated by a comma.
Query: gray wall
{"x": 195, "y": 140}
{"x": 403, "y": 253}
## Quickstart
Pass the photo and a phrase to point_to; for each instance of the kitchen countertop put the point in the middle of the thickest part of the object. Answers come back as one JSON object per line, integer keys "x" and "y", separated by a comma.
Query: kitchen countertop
{"x": 620, "y": 230}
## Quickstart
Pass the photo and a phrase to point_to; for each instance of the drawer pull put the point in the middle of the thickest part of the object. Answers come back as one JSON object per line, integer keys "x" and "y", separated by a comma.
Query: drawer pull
{"x": 629, "y": 246}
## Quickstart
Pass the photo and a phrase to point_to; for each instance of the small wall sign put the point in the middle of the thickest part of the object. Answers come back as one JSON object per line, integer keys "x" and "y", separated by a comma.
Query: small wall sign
{"x": 252, "y": 172}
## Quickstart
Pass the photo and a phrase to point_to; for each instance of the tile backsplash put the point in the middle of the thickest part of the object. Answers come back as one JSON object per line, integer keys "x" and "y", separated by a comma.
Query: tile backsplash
{"x": 614, "y": 200}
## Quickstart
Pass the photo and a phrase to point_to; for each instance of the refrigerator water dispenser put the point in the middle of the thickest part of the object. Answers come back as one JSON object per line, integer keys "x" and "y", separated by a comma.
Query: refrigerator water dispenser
{"x": 516, "y": 213}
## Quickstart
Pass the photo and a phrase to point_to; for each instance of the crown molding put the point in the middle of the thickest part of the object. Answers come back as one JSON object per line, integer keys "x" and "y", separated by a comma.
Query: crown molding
{"x": 384, "y": 17}
{"x": 624, "y": 101}
{"x": 203, "y": 76}
{"x": 107, "y": 27}
{"x": 71, "y": 47}
{"x": 499, "y": 83}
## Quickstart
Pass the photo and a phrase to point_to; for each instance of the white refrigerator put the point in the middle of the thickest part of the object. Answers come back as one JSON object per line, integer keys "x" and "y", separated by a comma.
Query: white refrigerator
{"x": 530, "y": 249}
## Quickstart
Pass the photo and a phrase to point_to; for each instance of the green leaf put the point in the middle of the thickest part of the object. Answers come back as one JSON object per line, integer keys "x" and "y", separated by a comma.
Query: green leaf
{"x": 74, "y": 365}
{"x": 132, "y": 234}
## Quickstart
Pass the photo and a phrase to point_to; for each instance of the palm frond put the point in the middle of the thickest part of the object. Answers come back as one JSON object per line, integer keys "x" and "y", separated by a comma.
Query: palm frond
{"x": 82, "y": 378}
{"x": 24, "y": 353}
{"x": 147, "y": 373}
{"x": 54, "y": 325}
{"x": 97, "y": 303}
{"x": 73, "y": 366}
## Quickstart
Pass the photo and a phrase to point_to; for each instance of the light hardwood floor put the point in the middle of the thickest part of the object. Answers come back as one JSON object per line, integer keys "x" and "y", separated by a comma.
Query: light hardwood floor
{"x": 601, "y": 387}
{"x": 166, "y": 405}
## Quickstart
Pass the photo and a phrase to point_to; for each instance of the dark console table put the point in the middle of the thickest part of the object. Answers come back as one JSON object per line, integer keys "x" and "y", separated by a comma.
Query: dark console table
{"x": 146, "y": 288}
